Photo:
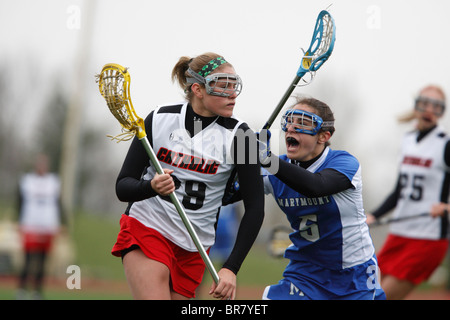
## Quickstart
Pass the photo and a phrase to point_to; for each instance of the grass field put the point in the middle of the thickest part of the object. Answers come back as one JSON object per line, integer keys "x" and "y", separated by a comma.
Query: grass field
{"x": 102, "y": 274}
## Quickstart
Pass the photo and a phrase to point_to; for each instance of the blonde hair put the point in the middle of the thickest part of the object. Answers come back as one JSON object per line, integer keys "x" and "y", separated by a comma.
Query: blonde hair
{"x": 410, "y": 115}
{"x": 179, "y": 72}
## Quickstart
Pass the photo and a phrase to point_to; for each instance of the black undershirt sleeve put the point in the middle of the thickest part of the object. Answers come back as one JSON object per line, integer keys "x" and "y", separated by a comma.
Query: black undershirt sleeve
{"x": 389, "y": 203}
{"x": 19, "y": 203}
{"x": 323, "y": 183}
{"x": 447, "y": 154}
{"x": 252, "y": 191}
{"x": 130, "y": 186}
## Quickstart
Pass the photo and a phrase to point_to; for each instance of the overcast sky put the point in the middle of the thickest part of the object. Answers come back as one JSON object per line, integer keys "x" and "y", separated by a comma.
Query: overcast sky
{"x": 385, "y": 52}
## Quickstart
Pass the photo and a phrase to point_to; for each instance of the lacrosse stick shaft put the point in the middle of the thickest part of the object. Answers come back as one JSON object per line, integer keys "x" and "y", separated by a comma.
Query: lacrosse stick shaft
{"x": 394, "y": 220}
{"x": 320, "y": 49}
{"x": 155, "y": 163}
{"x": 282, "y": 102}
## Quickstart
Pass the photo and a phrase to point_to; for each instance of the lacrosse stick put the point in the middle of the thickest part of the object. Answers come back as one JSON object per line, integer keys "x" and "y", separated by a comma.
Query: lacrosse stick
{"x": 319, "y": 51}
{"x": 114, "y": 85}
{"x": 394, "y": 220}
{"x": 279, "y": 241}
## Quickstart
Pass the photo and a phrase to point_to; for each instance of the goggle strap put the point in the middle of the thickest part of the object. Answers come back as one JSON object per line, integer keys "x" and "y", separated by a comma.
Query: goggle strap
{"x": 328, "y": 124}
{"x": 196, "y": 78}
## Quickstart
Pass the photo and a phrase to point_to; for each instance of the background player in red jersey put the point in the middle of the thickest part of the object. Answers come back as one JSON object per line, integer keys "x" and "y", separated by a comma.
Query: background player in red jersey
{"x": 415, "y": 247}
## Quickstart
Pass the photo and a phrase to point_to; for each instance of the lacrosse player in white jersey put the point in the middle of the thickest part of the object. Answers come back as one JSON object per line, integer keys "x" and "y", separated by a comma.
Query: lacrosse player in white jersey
{"x": 40, "y": 218}
{"x": 320, "y": 191}
{"x": 196, "y": 142}
{"x": 415, "y": 247}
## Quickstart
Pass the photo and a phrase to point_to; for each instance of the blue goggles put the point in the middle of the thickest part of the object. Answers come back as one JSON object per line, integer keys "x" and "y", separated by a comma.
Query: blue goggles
{"x": 303, "y": 122}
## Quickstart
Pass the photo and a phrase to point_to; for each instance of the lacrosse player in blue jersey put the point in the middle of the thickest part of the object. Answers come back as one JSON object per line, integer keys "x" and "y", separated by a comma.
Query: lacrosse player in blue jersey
{"x": 320, "y": 191}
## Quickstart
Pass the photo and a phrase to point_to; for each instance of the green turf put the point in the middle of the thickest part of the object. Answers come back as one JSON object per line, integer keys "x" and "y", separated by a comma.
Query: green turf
{"x": 102, "y": 276}
{"x": 93, "y": 237}
{"x": 51, "y": 293}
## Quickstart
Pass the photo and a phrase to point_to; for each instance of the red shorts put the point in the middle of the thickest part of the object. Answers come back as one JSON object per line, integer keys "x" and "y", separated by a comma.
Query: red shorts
{"x": 411, "y": 259}
{"x": 186, "y": 268}
{"x": 33, "y": 241}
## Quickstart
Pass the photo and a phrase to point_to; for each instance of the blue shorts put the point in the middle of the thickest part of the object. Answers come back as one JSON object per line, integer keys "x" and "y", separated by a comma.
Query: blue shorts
{"x": 305, "y": 281}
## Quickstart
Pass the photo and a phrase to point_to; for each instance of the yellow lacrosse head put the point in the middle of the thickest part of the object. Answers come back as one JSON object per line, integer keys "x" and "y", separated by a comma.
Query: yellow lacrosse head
{"x": 114, "y": 86}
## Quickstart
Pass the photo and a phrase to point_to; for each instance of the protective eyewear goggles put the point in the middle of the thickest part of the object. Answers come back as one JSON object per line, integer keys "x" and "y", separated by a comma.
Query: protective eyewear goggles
{"x": 438, "y": 106}
{"x": 218, "y": 84}
{"x": 303, "y": 122}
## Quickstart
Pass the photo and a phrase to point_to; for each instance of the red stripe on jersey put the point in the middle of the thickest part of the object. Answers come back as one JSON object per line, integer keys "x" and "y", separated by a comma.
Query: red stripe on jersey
{"x": 418, "y": 161}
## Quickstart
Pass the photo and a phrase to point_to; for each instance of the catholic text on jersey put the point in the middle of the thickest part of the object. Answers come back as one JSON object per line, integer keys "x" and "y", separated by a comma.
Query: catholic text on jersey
{"x": 187, "y": 161}
{"x": 416, "y": 161}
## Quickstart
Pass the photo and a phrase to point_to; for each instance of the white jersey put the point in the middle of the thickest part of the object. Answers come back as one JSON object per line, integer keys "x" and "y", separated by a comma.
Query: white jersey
{"x": 40, "y": 203}
{"x": 202, "y": 166}
{"x": 422, "y": 183}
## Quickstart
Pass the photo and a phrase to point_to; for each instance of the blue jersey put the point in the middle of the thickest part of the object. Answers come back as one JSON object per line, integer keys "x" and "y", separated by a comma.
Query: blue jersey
{"x": 332, "y": 254}
{"x": 329, "y": 231}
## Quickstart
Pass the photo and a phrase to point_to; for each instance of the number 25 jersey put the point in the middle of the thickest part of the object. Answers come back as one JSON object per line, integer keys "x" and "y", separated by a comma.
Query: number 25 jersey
{"x": 423, "y": 181}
